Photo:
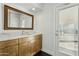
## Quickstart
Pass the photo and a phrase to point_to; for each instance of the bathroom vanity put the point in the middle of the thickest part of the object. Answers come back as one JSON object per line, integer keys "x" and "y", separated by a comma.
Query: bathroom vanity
{"x": 21, "y": 45}
{"x": 24, "y": 44}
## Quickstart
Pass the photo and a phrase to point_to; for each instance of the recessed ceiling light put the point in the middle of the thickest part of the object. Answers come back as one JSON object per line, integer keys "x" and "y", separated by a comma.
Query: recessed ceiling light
{"x": 33, "y": 8}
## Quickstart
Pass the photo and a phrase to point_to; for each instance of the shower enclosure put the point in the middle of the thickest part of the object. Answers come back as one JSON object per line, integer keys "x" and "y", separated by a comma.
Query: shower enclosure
{"x": 67, "y": 30}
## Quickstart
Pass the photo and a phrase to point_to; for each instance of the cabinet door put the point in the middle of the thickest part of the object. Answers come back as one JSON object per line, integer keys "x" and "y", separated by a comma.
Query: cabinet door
{"x": 4, "y": 52}
{"x": 9, "y": 51}
{"x": 9, "y": 47}
{"x": 32, "y": 46}
{"x": 36, "y": 44}
{"x": 13, "y": 51}
{"x": 39, "y": 42}
{"x": 12, "y": 47}
{"x": 24, "y": 48}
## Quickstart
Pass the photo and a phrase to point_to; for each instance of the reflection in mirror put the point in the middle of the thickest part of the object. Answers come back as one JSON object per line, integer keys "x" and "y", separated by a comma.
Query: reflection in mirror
{"x": 13, "y": 18}
{"x": 25, "y": 21}
{"x": 17, "y": 19}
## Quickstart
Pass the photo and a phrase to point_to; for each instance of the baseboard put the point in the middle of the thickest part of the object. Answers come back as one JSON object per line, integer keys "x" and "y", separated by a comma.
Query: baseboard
{"x": 61, "y": 54}
{"x": 50, "y": 52}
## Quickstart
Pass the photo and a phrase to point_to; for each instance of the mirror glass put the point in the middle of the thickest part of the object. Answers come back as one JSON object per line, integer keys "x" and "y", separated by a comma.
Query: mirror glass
{"x": 17, "y": 19}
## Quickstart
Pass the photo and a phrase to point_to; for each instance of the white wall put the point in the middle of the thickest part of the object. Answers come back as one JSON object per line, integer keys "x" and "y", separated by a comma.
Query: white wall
{"x": 1, "y": 17}
{"x": 46, "y": 25}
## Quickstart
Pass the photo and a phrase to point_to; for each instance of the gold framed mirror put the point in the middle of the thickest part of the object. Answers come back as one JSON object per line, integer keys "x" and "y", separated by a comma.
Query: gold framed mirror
{"x": 15, "y": 19}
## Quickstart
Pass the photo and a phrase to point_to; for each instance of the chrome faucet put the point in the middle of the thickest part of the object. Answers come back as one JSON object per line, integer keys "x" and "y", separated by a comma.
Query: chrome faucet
{"x": 23, "y": 32}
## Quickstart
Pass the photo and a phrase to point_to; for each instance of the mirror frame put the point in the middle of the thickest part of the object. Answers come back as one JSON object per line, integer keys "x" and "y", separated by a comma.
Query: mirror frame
{"x": 6, "y": 8}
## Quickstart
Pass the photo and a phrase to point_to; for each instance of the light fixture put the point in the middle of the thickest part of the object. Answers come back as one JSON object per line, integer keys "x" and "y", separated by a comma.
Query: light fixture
{"x": 33, "y": 8}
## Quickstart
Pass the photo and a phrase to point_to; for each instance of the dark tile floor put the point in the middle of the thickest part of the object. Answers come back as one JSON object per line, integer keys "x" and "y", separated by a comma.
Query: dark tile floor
{"x": 41, "y": 53}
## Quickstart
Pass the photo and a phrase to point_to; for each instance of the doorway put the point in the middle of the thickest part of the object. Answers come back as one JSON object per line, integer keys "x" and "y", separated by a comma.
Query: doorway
{"x": 67, "y": 30}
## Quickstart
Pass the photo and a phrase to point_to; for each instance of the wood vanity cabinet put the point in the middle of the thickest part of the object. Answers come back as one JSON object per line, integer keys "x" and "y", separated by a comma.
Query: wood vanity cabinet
{"x": 26, "y": 46}
{"x": 36, "y": 44}
{"x": 9, "y": 47}
{"x": 29, "y": 46}
{"x": 13, "y": 51}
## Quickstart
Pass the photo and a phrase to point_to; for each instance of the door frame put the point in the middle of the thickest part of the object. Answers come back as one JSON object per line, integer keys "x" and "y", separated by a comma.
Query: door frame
{"x": 57, "y": 9}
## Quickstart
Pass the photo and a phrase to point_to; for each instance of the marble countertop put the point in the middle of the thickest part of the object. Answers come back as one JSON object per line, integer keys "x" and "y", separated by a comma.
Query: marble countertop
{"x": 10, "y": 37}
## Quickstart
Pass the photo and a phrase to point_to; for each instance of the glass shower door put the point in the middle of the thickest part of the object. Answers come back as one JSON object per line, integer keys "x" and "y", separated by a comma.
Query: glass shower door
{"x": 68, "y": 31}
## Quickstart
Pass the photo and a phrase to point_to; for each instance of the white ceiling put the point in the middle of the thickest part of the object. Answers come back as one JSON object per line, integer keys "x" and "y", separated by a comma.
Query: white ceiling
{"x": 38, "y": 6}
{"x": 29, "y": 6}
